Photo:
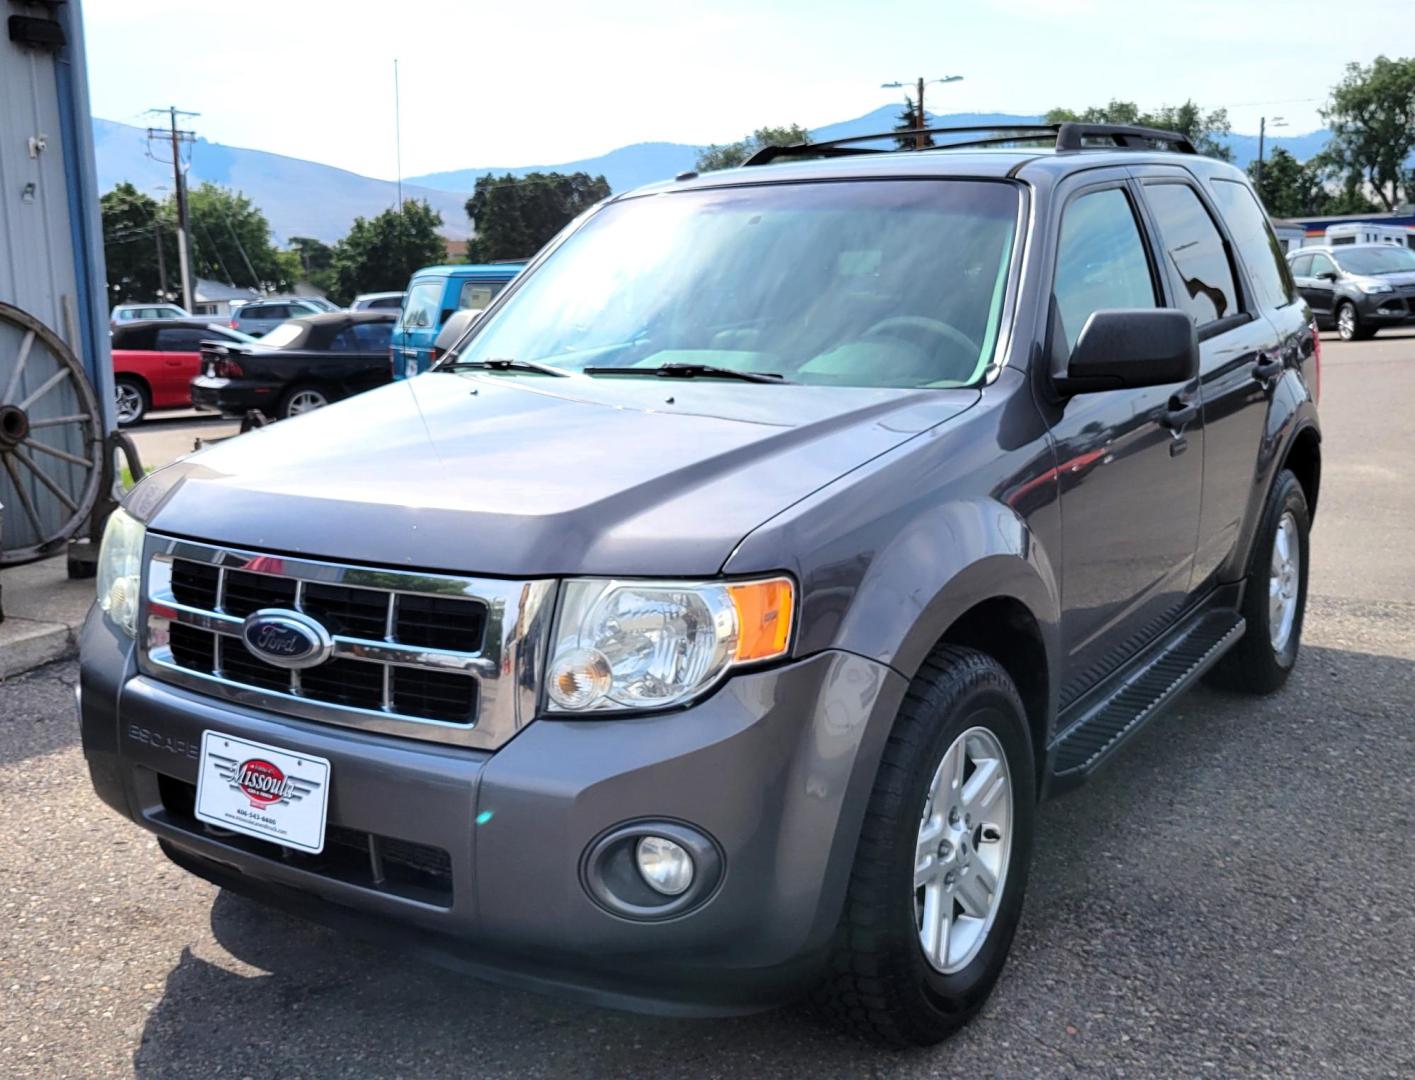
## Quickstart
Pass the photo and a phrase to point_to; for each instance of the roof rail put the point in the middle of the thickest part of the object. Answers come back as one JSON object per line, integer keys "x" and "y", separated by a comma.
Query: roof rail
{"x": 1066, "y": 136}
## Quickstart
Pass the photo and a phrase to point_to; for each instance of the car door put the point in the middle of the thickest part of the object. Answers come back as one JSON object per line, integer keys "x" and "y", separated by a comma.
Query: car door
{"x": 417, "y": 326}
{"x": 1129, "y": 461}
{"x": 180, "y": 349}
{"x": 1320, "y": 290}
{"x": 1301, "y": 268}
{"x": 1239, "y": 356}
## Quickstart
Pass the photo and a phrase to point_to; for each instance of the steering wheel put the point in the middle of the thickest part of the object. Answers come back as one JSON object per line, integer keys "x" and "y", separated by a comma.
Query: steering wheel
{"x": 920, "y": 330}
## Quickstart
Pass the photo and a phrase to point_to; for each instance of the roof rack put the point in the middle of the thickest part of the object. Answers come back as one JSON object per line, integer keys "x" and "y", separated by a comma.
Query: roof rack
{"x": 1071, "y": 135}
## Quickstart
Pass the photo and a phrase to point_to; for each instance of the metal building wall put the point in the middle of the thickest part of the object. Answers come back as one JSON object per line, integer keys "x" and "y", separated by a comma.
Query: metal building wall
{"x": 51, "y": 262}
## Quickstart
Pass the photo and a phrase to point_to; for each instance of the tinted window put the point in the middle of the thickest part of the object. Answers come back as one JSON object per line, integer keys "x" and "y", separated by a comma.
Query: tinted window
{"x": 1321, "y": 265}
{"x": 478, "y": 294}
{"x": 385, "y": 303}
{"x": 373, "y": 336}
{"x": 1302, "y": 266}
{"x": 1194, "y": 249}
{"x": 132, "y": 337}
{"x": 1256, "y": 241}
{"x": 423, "y": 303}
{"x": 1100, "y": 261}
{"x": 180, "y": 339}
{"x": 344, "y": 341}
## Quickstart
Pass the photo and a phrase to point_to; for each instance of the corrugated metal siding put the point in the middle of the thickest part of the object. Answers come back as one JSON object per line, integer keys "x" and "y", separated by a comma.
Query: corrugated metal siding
{"x": 38, "y": 268}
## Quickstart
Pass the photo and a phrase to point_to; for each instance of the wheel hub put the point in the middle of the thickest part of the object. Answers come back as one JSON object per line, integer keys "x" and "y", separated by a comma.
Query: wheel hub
{"x": 1284, "y": 581}
{"x": 14, "y": 425}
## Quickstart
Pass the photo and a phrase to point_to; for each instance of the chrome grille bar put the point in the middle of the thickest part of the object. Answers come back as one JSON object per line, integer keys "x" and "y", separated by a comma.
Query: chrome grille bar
{"x": 506, "y": 668}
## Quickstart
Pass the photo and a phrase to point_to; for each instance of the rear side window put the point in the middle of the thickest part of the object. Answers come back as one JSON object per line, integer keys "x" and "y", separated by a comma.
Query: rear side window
{"x": 385, "y": 303}
{"x": 479, "y": 294}
{"x": 1100, "y": 261}
{"x": 1256, "y": 241}
{"x": 423, "y": 305}
{"x": 1194, "y": 248}
{"x": 180, "y": 339}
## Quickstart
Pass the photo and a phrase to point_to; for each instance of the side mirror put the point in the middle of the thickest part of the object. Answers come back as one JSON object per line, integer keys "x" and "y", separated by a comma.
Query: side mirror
{"x": 1327, "y": 275}
{"x": 1128, "y": 348}
{"x": 457, "y": 324}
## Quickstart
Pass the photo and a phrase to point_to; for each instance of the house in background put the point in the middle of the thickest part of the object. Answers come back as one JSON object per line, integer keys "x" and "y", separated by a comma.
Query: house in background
{"x": 217, "y": 299}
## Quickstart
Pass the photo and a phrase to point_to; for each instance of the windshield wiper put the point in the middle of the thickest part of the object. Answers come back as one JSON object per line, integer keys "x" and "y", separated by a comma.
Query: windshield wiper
{"x": 506, "y": 363}
{"x": 691, "y": 371}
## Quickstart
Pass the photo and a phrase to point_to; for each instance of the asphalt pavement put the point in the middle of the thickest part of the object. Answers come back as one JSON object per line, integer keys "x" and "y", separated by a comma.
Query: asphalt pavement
{"x": 1232, "y": 897}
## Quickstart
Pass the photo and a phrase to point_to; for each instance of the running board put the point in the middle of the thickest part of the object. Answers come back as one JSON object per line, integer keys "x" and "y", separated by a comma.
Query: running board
{"x": 1158, "y": 680}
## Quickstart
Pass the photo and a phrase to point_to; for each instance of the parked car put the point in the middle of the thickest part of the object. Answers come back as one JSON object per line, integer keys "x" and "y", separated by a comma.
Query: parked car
{"x": 1357, "y": 288}
{"x": 378, "y": 301}
{"x": 707, "y": 627}
{"x": 154, "y": 362}
{"x": 434, "y": 293}
{"x": 261, "y": 316}
{"x": 124, "y": 313}
{"x": 323, "y": 303}
{"x": 301, "y": 365}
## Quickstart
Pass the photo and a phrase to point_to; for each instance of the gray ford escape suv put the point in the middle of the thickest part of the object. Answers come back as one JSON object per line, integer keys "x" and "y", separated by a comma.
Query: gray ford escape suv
{"x": 707, "y": 627}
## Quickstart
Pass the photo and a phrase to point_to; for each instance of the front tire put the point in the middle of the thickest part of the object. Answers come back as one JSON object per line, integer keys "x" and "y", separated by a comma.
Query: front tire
{"x": 937, "y": 886}
{"x": 1274, "y": 595}
{"x": 1349, "y": 324}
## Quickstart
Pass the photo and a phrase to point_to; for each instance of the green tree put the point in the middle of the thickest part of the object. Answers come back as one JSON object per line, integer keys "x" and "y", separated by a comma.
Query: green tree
{"x": 381, "y": 253}
{"x": 315, "y": 262}
{"x": 1371, "y": 114}
{"x": 1291, "y": 188}
{"x": 231, "y": 241}
{"x": 133, "y": 226}
{"x": 733, "y": 154}
{"x": 515, "y": 216}
{"x": 1206, "y": 130}
{"x": 907, "y": 120}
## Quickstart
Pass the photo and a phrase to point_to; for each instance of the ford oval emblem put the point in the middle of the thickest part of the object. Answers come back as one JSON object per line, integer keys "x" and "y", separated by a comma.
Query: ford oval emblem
{"x": 287, "y": 639}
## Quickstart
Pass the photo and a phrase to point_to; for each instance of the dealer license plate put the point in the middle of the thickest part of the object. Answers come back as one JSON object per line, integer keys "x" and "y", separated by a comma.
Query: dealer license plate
{"x": 263, "y": 791}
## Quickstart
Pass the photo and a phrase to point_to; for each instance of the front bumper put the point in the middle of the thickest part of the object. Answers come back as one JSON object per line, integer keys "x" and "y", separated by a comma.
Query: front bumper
{"x": 1384, "y": 309}
{"x": 776, "y": 767}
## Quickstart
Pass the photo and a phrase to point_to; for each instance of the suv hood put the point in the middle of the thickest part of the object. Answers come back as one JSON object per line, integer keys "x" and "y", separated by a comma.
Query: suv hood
{"x": 529, "y": 476}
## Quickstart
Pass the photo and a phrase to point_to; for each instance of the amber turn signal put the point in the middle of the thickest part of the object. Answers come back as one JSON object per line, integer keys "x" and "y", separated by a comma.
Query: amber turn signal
{"x": 764, "y": 613}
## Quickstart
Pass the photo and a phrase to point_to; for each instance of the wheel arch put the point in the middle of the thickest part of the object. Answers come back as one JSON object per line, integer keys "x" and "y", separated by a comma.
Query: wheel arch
{"x": 1304, "y": 459}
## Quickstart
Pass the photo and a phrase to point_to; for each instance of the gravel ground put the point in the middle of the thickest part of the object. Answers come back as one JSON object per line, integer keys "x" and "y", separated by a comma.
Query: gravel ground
{"x": 1231, "y": 898}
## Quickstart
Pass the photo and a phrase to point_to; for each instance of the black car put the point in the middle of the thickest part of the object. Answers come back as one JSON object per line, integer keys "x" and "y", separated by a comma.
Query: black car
{"x": 1358, "y": 288}
{"x": 301, "y": 365}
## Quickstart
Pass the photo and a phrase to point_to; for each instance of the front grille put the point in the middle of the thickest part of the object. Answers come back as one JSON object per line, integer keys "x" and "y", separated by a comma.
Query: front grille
{"x": 413, "y": 871}
{"x": 429, "y": 656}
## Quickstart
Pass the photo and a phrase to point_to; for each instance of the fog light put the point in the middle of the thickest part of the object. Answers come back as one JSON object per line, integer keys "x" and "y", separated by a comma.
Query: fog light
{"x": 665, "y": 866}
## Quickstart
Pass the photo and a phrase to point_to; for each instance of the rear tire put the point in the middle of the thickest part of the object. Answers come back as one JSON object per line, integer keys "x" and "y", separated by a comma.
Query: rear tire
{"x": 1274, "y": 596}
{"x": 302, "y": 399}
{"x": 881, "y": 984}
{"x": 131, "y": 400}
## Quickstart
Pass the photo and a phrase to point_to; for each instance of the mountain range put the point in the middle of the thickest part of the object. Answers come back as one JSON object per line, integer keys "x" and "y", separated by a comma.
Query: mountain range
{"x": 305, "y": 198}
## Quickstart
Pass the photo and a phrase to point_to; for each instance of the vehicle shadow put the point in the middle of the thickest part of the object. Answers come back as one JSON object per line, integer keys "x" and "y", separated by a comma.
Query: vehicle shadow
{"x": 1124, "y": 951}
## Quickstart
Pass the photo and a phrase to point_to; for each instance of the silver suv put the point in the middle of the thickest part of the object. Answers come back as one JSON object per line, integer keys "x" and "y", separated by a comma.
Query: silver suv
{"x": 261, "y": 316}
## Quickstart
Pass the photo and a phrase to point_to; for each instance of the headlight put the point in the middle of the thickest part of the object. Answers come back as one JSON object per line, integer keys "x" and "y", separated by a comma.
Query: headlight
{"x": 1372, "y": 287}
{"x": 120, "y": 570}
{"x": 621, "y": 645}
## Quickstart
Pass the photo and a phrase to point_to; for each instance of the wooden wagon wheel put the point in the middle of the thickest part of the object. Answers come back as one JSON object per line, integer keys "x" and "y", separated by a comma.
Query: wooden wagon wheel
{"x": 51, "y": 439}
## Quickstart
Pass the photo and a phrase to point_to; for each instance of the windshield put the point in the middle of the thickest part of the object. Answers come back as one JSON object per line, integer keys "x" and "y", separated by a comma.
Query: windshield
{"x": 1376, "y": 260}
{"x": 863, "y": 283}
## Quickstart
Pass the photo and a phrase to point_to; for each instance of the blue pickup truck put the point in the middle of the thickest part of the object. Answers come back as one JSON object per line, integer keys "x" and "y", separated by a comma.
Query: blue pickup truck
{"x": 434, "y": 293}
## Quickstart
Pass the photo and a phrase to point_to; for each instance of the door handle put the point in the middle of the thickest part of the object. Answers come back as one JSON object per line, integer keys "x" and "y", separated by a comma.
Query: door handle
{"x": 1269, "y": 367}
{"x": 1179, "y": 413}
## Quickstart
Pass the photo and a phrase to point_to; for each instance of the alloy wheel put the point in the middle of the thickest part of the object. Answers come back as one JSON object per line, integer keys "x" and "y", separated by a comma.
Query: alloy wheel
{"x": 961, "y": 855}
{"x": 304, "y": 401}
{"x": 127, "y": 402}
{"x": 1346, "y": 322}
{"x": 1284, "y": 578}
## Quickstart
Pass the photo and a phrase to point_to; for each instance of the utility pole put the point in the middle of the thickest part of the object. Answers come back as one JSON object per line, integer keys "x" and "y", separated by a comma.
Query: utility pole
{"x": 161, "y": 262}
{"x": 919, "y": 143}
{"x": 921, "y": 140}
{"x": 1262, "y": 132}
{"x": 398, "y": 134}
{"x": 179, "y": 178}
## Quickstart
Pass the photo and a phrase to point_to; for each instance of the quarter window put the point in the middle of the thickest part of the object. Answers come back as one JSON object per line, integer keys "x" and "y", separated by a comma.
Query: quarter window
{"x": 1256, "y": 242}
{"x": 1194, "y": 248}
{"x": 180, "y": 339}
{"x": 1100, "y": 261}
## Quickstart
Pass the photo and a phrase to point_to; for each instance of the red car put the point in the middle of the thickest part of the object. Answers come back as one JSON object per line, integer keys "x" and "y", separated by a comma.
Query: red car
{"x": 155, "y": 360}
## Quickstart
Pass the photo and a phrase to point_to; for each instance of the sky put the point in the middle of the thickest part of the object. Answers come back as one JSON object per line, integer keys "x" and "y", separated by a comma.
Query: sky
{"x": 516, "y": 83}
